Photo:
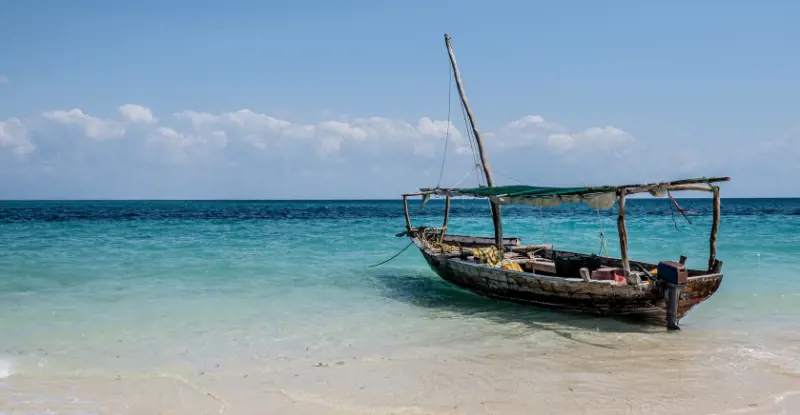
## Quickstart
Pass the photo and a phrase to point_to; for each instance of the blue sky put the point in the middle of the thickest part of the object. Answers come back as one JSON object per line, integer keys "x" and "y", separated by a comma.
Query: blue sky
{"x": 317, "y": 99}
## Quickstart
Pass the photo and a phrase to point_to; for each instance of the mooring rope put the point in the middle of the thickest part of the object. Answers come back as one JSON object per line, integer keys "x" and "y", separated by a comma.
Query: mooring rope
{"x": 395, "y": 256}
{"x": 680, "y": 210}
{"x": 603, "y": 246}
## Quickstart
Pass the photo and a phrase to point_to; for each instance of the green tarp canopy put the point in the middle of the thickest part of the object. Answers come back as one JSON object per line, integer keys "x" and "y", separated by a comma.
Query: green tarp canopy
{"x": 601, "y": 197}
{"x": 529, "y": 191}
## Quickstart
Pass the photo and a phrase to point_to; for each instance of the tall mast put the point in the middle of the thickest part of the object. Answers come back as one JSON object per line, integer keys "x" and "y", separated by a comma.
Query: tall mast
{"x": 498, "y": 225}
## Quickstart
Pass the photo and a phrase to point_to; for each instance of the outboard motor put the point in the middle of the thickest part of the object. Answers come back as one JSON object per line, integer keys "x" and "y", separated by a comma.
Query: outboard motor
{"x": 674, "y": 277}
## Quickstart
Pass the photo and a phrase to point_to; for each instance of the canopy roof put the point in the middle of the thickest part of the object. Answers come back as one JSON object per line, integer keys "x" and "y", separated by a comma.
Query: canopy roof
{"x": 601, "y": 197}
{"x": 526, "y": 191}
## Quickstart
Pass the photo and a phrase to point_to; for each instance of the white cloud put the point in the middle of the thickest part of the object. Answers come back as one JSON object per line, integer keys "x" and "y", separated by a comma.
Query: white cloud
{"x": 343, "y": 129}
{"x": 178, "y": 146}
{"x": 277, "y": 137}
{"x": 561, "y": 142}
{"x": 326, "y": 137}
{"x": 535, "y": 123}
{"x": 422, "y": 138}
{"x": 93, "y": 127}
{"x": 137, "y": 114}
{"x": 244, "y": 119}
{"x": 606, "y": 136}
{"x": 14, "y": 135}
{"x": 247, "y": 153}
{"x": 244, "y": 153}
{"x": 534, "y": 130}
{"x": 593, "y": 138}
{"x": 198, "y": 119}
{"x": 242, "y": 142}
{"x": 4, "y": 79}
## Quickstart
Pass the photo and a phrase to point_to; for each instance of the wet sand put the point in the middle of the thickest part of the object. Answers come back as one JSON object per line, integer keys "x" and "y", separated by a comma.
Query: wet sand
{"x": 558, "y": 368}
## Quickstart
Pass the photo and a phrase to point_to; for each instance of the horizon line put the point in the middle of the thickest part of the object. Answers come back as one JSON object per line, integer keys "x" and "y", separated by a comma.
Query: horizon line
{"x": 325, "y": 199}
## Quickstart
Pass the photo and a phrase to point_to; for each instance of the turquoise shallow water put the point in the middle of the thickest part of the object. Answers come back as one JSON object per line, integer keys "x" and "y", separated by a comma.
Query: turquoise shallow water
{"x": 215, "y": 293}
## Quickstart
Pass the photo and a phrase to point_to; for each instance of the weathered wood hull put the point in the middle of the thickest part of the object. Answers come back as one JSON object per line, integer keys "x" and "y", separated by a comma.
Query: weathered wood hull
{"x": 645, "y": 302}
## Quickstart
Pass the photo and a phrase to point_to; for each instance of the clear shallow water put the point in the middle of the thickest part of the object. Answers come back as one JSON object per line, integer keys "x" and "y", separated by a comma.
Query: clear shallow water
{"x": 194, "y": 307}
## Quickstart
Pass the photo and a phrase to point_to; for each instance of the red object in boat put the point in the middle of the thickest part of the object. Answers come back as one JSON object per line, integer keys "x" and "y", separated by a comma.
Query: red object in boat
{"x": 612, "y": 274}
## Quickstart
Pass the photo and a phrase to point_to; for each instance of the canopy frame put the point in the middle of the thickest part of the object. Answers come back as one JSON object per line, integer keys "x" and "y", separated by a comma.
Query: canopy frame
{"x": 601, "y": 197}
{"x": 597, "y": 197}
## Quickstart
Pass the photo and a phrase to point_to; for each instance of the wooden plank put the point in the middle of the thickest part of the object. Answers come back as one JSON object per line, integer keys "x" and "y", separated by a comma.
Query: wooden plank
{"x": 417, "y": 194}
{"x": 405, "y": 208}
{"x": 623, "y": 236}
{"x": 530, "y": 248}
{"x": 697, "y": 187}
{"x": 446, "y": 214}
{"x": 498, "y": 229}
{"x": 714, "y": 229}
{"x": 717, "y": 267}
{"x": 478, "y": 240}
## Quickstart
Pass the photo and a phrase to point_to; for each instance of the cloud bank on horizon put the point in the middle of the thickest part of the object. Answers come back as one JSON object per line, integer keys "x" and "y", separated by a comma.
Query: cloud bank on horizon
{"x": 136, "y": 154}
{"x": 68, "y": 153}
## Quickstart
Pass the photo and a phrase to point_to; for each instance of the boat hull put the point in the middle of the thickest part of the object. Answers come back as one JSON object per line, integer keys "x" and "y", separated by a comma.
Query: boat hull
{"x": 646, "y": 302}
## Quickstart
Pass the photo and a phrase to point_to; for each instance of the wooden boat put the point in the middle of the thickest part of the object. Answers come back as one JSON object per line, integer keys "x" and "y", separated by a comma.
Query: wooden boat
{"x": 503, "y": 268}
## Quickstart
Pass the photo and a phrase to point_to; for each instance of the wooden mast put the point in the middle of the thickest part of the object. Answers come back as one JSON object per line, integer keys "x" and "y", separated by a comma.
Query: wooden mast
{"x": 498, "y": 225}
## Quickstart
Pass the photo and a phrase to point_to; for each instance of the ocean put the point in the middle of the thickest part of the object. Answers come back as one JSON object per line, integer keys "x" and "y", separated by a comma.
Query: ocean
{"x": 272, "y": 307}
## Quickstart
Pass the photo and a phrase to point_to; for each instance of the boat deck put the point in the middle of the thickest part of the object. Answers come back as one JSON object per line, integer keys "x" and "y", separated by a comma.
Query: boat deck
{"x": 540, "y": 259}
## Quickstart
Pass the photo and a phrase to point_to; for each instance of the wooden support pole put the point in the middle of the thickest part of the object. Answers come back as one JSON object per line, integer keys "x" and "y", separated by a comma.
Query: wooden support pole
{"x": 697, "y": 187}
{"x": 498, "y": 229}
{"x": 623, "y": 237}
{"x": 405, "y": 208}
{"x": 714, "y": 229}
{"x": 498, "y": 226}
{"x": 446, "y": 214}
{"x": 417, "y": 194}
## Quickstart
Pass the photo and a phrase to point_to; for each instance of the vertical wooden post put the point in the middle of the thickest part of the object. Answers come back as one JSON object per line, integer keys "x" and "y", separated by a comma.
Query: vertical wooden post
{"x": 714, "y": 229}
{"x": 498, "y": 229}
{"x": 498, "y": 225}
{"x": 623, "y": 236}
{"x": 446, "y": 217}
{"x": 446, "y": 213}
{"x": 405, "y": 208}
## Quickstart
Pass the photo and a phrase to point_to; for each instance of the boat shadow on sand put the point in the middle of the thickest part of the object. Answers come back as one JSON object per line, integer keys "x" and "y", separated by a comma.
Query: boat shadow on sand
{"x": 424, "y": 290}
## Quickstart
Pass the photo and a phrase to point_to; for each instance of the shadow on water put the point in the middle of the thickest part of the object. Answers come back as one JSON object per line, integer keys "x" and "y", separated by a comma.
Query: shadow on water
{"x": 430, "y": 292}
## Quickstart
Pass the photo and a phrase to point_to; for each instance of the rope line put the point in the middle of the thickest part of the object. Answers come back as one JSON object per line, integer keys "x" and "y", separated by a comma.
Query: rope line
{"x": 508, "y": 177}
{"x": 447, "y": 133}
{"x": 603, "y": 246}
{"x": 473, "y": 142}
{"x": 465, "y": 176}
{"x": 671, "y": 201}
{"x": 395, "y": 256}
